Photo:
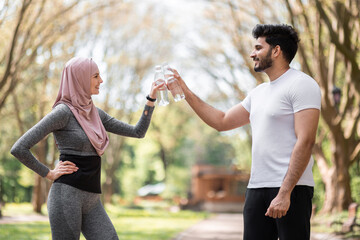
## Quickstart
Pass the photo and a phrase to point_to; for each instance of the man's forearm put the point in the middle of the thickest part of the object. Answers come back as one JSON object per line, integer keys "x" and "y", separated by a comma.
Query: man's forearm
{"x": 210, "y": 115}
{"x": 235, "y": 117}
{"x": 298, "y": 163}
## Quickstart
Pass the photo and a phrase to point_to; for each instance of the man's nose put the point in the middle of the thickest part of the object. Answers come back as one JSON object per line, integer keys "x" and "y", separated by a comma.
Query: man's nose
{"x": 252, "y": 54}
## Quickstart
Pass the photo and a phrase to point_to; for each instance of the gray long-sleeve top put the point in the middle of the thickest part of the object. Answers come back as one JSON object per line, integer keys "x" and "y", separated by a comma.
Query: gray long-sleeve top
{"x": 70, "y": 137}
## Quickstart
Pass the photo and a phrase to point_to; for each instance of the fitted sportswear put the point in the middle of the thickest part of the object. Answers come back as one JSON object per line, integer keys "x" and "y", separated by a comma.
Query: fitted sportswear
{"x": 72, "y": 211}
{"x": 70, "y": 137}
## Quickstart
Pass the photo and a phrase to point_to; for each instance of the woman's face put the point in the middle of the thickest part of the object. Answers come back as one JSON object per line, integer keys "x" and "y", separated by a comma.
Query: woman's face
{"x": 95, "y": 83}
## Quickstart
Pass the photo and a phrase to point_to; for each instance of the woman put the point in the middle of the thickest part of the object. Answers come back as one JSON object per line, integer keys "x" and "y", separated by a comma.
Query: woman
{"x": 79, "y": 129}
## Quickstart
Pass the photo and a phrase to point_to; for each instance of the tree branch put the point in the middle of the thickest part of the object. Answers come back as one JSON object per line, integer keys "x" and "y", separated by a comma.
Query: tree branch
{"x": 17, "y": 114}
{"x": 348, "y": 53}
{"x": 321, "y": 160}
{"x": 8, "y": 69}
{"x": 305, "y": 64}
{"x": 355, "y": 154}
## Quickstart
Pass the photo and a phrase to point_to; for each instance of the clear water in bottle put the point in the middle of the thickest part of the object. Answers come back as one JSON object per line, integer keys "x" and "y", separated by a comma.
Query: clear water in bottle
{"x": 173, "y": 84}
{"x": 162, "y": 94}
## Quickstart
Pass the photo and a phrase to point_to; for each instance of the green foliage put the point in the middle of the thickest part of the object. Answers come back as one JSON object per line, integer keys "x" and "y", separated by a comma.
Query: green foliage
{"x": 242, "y": 148}
{"x": 215, "y": 149}
{"x": 130, "y": 183}
{"x": 319, "y": 189}
{"x": 11, "y": 189}
{"x": 177, "y": 182}
{"x": 355, "y": 182}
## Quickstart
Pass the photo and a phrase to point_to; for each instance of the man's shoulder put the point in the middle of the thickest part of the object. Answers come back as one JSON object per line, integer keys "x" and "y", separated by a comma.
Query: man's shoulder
{"x": 261, "y": 86}
{"x": 297, "y": 74}
{"x": 302, "y": 79}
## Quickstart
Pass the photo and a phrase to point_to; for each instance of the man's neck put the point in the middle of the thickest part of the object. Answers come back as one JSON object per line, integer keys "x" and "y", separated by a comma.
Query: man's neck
{"x": 275, "y": 72}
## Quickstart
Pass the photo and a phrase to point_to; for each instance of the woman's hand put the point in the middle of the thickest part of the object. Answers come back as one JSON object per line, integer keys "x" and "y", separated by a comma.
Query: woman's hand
{"x": 155, "y": 88}
{"x": 62, "y": 168}
{"x": 153, "y": 91}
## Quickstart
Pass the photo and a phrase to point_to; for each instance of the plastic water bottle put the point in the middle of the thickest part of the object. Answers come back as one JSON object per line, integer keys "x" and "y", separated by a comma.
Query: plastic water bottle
{"x": 173, "y": 84}
{"x": 162, "y": 94}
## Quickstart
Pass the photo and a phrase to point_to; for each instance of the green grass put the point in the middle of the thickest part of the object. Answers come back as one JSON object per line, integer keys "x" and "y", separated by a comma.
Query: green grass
{"x": 16, "y": 209}
{"x": 25, "y": 231}
{"x": 131, "y": 224}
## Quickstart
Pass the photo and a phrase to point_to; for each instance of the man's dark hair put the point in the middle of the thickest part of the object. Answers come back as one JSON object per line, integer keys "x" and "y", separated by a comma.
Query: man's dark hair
{"x": 279, "y": 34}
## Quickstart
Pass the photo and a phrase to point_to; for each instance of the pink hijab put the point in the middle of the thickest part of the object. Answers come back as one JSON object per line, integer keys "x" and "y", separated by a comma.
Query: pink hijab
{"x": 75, "y": 92}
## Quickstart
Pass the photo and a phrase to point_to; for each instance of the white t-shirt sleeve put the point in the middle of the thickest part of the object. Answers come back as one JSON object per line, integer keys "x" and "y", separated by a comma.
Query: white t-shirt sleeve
{"x": 305, "y": 93}
{"x": 246, "y": 103}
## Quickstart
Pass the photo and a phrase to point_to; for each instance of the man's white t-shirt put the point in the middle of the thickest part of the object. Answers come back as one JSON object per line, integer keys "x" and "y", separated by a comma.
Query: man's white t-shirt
{"x": 272, "y": 106}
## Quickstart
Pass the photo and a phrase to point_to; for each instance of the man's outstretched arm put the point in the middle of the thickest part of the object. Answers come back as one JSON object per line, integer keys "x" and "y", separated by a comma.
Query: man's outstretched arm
{"x": 235, "y": 117}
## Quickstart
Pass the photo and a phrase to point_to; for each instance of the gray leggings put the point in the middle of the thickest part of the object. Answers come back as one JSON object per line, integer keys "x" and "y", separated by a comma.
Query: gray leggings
{"x": 72, "y": 211}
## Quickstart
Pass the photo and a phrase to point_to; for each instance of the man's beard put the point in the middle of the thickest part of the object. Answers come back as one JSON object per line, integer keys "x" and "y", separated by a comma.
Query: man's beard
{"x": 265, "y": 63}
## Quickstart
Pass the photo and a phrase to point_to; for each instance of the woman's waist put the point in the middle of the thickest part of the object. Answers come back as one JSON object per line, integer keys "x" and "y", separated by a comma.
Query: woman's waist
{"x": 87, "y": 177}
{"x": 85, "y": 163}
{"x": 77, "y": 152}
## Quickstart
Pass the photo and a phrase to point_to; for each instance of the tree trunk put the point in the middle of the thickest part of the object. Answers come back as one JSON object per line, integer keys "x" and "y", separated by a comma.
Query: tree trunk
{"x": 37, "y": 199}
{"x": 337, "y": 190}
{"x": 108, "y": 189}
{"x": 164, "y": 160}
{"x": 337, "y": 177}
{"x": 108, "y": 186}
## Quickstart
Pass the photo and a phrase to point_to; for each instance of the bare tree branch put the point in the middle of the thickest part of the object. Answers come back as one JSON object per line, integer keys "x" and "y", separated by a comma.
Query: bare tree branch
{"x": 348, "y": 53}
{"x": 8, "y": 70}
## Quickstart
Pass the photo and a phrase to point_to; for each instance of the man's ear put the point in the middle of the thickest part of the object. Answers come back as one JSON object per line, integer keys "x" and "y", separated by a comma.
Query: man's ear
{"x": 277, "y": 51}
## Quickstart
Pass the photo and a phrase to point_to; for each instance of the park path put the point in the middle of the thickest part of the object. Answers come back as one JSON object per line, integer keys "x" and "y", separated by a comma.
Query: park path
{"x": 228, "y": 227}
{"x": 220, "y": 227}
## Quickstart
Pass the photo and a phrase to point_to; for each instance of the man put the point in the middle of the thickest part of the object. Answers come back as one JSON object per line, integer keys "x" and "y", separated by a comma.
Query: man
{"x": 284, "y": 115}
